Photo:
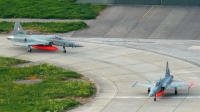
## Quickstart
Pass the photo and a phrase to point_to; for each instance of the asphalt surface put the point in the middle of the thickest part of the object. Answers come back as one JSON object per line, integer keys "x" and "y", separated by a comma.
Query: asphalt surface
{"x": 146, "y": 22}
{"x": 117, "y": 66}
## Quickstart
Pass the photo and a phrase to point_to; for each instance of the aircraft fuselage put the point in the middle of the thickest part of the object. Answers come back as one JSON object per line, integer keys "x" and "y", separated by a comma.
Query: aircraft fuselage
{"x": 160, "y": 85}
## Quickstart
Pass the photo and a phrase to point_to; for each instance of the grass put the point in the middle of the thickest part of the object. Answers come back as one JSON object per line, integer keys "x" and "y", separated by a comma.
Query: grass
{"x": 48, "y": 9}
{"x": 45, "y": 27}
{"x": 53, "y": 94}
{"x": 7, "y": 62}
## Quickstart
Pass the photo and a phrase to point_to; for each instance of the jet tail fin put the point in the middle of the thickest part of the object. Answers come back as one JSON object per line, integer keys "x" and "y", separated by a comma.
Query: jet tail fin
{"x": 167, "y": 73}
{"x": 18, "y": 30}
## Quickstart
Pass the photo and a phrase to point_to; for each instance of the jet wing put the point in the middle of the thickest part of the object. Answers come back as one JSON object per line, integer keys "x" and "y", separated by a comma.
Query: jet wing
{"x": 25, "y": 44}
{"x": 176, "y": 85}
{"x": 143, "y": 84}
{"x": 29, "y": 44}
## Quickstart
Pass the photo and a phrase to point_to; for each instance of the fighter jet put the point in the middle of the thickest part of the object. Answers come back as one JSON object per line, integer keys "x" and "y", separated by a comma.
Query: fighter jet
{"x": 157, "y": 89}
{"x": 42, "y": 42}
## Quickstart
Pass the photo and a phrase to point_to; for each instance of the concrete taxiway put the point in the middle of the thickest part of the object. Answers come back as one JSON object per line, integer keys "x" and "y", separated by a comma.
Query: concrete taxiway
{"x": 146, "y": 22}
{"x": 115, "y": 67}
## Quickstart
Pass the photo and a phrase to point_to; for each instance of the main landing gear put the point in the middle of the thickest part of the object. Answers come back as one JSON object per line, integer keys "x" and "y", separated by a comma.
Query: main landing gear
{"x": 64, "y": 51}
{"x": 176, "y": 91}
{"x": 155, "y": 98}
{"x": 148, "y": 90}
{"x": 29, "y": 49}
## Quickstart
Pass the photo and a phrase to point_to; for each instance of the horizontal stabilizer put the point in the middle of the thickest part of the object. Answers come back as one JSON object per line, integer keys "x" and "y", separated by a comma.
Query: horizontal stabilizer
{"x": 134, "y": 84}
{"x": 177, "y": 81}
{"x": 143, "y": 84}
{"x": 176, "y": 85}
{"x": 191, "y": 84}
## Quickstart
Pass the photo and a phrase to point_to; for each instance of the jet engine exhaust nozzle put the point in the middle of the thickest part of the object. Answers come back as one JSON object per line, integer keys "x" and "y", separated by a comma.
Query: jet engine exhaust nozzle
{"x": 10, "y": 37}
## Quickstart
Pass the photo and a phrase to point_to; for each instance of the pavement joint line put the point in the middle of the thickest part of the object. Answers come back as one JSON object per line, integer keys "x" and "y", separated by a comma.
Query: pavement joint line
{"x": 157, "y": 52}
{"x": 146, "y": 13}
{"x": 115, "y": 93}
{"x": 163, "y": 54}
{"x": 143, "y": 104}
{"x": 118, "y": 56}
{"x": 95, "y": 69}
{"x": 155, "y": 12}
{"x": 186, "y": 94}
{"x": 120, "y": 75}
{"x": 178, "y": 25}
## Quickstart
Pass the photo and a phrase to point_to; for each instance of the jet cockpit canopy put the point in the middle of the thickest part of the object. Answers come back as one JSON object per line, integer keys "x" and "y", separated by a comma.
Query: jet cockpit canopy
{"x": 156, "y": 83}
{"x": 57, "y": 37}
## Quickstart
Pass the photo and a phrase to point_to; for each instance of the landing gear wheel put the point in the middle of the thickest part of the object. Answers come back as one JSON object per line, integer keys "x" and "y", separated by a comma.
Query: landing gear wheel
{"x": 176, "y": 91}
{"x": 148, "y": 90}
{"x": 50, "y": 43}
{"x": 30, "y": 50}
{"x": 64, "y": 51}
{"x": 155, "y": 98}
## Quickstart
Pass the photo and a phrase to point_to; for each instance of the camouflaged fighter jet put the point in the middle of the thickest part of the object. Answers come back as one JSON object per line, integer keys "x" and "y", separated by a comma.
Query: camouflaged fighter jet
{"x": 42, "y": 42}
{"x": 157, "y": 89}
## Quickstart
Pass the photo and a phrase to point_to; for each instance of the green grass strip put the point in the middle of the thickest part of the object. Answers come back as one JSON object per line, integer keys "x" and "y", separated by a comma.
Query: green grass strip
{"x": 48, "y": 9}
{"x": 53, "y": 94}
{"x": 45, "y": 27}
{"x": 7, "y": 62}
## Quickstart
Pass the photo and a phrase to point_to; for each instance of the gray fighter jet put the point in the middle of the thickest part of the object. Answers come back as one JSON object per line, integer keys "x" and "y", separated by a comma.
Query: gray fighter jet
{"x": 43, "y": 42}
{"x": 157, "y": 89}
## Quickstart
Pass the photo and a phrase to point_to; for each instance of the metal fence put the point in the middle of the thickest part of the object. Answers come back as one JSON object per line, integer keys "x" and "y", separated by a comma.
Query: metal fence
{"x": 181, "y": 2}
{"x": 138, "y": 2}
{"x": 145, "y": 2}
{"x": 159, "y": 2}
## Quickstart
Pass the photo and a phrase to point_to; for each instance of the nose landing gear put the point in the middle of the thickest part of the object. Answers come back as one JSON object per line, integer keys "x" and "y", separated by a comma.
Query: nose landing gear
{"x": 29, "y": 49}
{"x": 64, "y": 51}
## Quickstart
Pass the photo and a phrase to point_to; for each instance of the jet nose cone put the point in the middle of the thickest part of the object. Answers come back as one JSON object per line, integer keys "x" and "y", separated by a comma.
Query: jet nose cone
{"x": 77, "y": 45}
{"x": 151, "y": 94}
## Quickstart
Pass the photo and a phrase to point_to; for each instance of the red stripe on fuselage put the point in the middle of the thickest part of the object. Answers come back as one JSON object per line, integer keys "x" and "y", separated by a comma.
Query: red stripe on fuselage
{"x": 45, "y": 47}
{"x": 160, "y": 93}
